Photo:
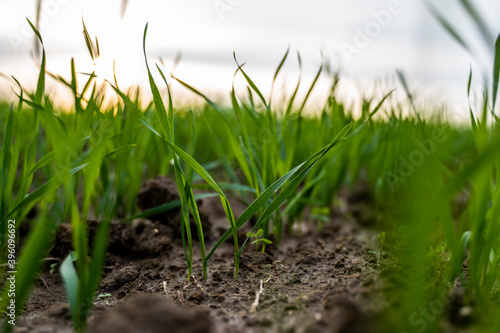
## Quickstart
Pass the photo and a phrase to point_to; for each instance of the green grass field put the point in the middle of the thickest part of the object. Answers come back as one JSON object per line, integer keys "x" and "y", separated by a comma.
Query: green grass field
{"x": 435, "y": 182}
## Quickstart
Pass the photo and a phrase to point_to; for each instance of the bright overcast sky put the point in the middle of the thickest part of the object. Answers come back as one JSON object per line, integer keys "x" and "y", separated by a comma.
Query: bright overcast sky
{"x": 208, "y": 31}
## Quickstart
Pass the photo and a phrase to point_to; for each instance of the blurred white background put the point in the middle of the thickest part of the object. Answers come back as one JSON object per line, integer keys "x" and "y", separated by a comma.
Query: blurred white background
{"x": 367, "y": 40}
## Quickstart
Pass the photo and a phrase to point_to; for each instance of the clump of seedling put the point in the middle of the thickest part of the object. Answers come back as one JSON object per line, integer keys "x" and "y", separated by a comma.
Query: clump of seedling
{"x": 274, "y": 266}
{"x": 269, "y": 196}
{"x": 258, "y": 238}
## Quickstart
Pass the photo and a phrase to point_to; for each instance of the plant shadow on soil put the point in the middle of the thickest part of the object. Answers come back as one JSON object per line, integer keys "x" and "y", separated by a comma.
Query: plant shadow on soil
{"x": 326, "y": 280}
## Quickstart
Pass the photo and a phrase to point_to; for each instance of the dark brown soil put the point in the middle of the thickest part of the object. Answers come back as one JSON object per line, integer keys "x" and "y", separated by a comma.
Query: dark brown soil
{"x": 325, "y": 281}
{"x": 161, "y": 190}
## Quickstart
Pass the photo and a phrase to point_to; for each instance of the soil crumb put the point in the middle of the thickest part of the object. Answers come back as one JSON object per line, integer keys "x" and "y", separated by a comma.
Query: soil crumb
{"x": 156, "y": 192}
{"x": 152, "y": 314}
{"x": 161, "y": 190}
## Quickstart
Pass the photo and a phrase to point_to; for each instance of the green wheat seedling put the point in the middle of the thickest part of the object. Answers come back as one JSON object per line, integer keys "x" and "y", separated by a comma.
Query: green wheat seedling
{"x": 262, "y": 160}
{"x": 258, "y": 238}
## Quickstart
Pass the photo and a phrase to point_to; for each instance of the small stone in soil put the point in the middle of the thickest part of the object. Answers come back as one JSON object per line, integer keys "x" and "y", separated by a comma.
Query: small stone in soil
{"x": 197, "y": 297}
{"x": 121, "y": 277}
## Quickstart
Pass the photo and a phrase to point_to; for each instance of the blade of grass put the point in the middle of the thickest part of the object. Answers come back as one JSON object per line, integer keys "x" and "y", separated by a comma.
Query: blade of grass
{"x": 251, "y": 83}
{"x": 447, "y": 25}
{"x": 282, "y": 62}
{"x": 496, "y": 73}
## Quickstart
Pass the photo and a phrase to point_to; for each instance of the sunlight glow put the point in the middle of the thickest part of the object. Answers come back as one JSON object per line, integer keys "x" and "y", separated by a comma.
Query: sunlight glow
{"x": 259, "y": 32}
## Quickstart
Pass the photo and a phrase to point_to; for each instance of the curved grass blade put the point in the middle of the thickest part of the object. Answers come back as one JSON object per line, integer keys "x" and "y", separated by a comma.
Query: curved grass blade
{"x": 32, "y": 197}
{"x": 71, "y": 283}
{"x": 197, "y": 92}
{"x": 93, "y": 49}
{"x": 282, "y": 62}
{"x": 250, "y": 82}
{"x": 476, "y": 17}
{"x": 294, "y": 94}
{"x": 120, "y": 150}
{"x": 313, "y": 84}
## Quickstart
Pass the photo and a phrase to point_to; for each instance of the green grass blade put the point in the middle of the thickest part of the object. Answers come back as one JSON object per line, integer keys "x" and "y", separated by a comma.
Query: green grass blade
{"x": 71, "y": 283}
{"x": 282, "y": 62}
{"x": 40, "y": 87}
{"x": 379, "y": 105}
{"x": 120, "y": 150}
{"x": 480, "y": 23}
{"x": 250, "y": 82}
{"x": 32, "y": 197}
{"x": 161, "y": 112}
{"x": 197, "y": 92}
{"x": 496, "y": 73}
{"x": 9, "y": 130}
{"x": 88, "y": 41}
{"x": 311, "y": 87}
{"x": 188, "y": 159}
{"x": 447, "y": 25}
{"x": 170, "y": 115}
{"x": 227, "y": 186}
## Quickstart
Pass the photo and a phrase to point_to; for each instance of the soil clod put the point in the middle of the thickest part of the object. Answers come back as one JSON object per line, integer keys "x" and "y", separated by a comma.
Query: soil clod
{"x": 152, "y": 314}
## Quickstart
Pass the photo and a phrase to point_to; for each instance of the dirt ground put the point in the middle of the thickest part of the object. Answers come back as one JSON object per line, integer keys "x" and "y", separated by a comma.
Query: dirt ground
{"x": 326, "y": 280}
